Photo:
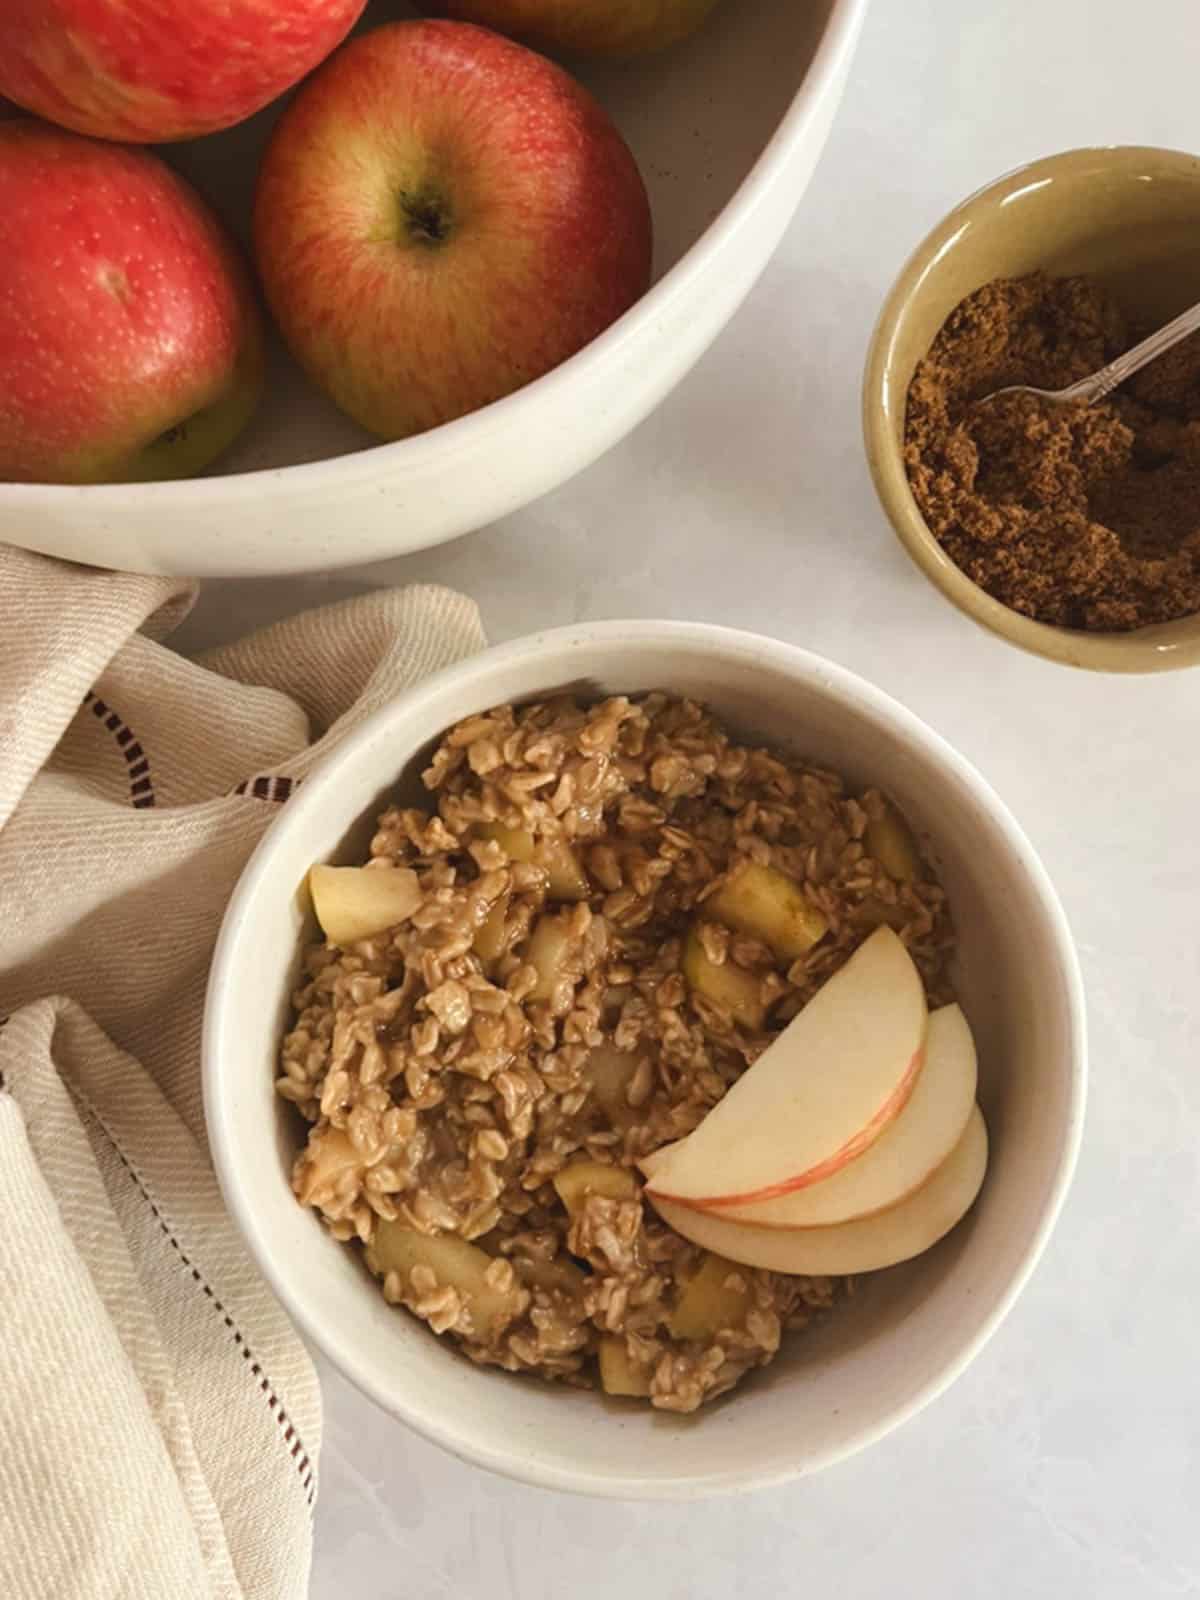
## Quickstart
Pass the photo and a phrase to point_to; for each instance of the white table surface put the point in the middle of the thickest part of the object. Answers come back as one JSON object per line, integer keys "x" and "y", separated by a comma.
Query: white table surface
{"x": 1067, "y": 1461}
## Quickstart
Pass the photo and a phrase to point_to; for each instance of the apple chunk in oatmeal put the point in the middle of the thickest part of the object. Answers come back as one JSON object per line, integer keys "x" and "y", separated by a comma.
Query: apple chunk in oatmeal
{"x": 607, "y": 916}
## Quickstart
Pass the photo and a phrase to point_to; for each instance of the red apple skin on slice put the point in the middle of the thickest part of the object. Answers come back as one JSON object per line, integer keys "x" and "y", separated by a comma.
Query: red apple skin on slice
{"x": 818, "y": 1096}
{"x": 904, "y": 1156}
{"x": 865, "y": 1245}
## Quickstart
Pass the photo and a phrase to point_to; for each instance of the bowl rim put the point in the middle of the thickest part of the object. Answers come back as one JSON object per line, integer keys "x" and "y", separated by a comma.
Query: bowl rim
{"x": 1161, "y": 647}
{"x": 857, "y": 695}
{"x": 444, "y": 446}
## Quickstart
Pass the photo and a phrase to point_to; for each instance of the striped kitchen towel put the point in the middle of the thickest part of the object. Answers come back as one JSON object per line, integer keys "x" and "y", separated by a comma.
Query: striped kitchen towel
{"x": 159, "y": 1418}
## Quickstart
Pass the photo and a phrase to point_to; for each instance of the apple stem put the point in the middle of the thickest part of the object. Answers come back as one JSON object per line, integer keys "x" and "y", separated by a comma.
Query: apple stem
{"x": 175, "y": 434}
{"x": 426, "y": 218}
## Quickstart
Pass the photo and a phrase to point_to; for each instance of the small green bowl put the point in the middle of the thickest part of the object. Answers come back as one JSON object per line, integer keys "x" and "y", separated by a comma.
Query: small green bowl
{"x": 1129, "y": 217}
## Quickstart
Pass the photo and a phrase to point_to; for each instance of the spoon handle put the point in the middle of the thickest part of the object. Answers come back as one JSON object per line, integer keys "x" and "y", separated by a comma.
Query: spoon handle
{"x": 1102, "y": 383}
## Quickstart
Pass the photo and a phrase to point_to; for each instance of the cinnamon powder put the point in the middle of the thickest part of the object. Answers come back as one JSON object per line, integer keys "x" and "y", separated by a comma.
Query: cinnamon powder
{"x": 1083, "y": 516}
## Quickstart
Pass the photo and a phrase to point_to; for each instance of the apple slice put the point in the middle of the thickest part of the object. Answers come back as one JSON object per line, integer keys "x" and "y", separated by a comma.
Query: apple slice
{"x": 903, "y": 1157}
{"x": 559, "y": 1276}
{"x": 889, "y": 839}
{"x": 768, "y": 905}
{"x": 454, "y": 1262}
{"x": 620, "y": 1374}
{"x": 328, "y": 1154}
{"x": 733, "y": 988}
{"x": 580, "y": 1178}
{"x": 818, "y": 1096}
{"x": 716, "y": 1296}
{"x": 566, "y": 878}
{"x": 489, "y": 938}
{"x": 355, "y": 903}
{"x": 904, "y": 1231}
{"x": 547, "y": 953}
{"x": 609, "y": 1073}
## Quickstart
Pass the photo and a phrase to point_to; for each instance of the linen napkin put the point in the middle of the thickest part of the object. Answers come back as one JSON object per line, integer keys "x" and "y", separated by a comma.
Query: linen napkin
{"x": 159, "y": 1419}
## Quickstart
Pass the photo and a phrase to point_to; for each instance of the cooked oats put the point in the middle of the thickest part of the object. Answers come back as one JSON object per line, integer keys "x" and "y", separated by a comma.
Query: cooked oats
{"x": 536, "y": 1012}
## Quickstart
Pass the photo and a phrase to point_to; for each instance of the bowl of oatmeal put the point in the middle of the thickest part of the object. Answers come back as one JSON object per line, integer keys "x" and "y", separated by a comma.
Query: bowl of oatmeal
{"x": 434, "y": 1133}
{"x": 1071, "y": 531}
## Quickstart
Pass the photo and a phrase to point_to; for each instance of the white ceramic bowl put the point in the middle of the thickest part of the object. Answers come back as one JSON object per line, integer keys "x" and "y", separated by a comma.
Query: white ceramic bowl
{"x": 909, "y": 1331}
{"x": 727, "y": 128}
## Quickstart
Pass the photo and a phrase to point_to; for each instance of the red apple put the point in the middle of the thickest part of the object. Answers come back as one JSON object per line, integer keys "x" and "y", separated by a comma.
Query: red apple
{"x": 161, "y": 69}
{"x": 587, "y": 27}
{"x": 130, "y": 344}
{"x": 442, "y": 216}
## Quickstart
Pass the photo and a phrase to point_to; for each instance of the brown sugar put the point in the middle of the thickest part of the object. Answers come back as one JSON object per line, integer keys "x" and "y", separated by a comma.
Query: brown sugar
{"x": 1083, "y": 516}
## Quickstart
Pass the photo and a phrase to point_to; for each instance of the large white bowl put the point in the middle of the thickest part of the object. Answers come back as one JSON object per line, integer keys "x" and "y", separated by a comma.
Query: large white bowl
{"x": 909, "y": 1331}
{"x": 727, "y": 128}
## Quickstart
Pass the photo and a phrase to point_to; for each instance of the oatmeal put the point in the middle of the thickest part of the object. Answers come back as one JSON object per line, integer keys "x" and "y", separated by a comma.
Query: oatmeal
{"x": 608, "y": 914}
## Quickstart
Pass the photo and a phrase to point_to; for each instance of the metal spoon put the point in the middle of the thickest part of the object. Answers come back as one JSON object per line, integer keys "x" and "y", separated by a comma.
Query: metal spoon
{"x": 1088, "y": 390}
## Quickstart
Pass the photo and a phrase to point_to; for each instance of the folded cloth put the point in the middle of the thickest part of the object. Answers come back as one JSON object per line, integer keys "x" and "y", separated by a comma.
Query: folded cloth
{"x": 159, "y": 1418}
